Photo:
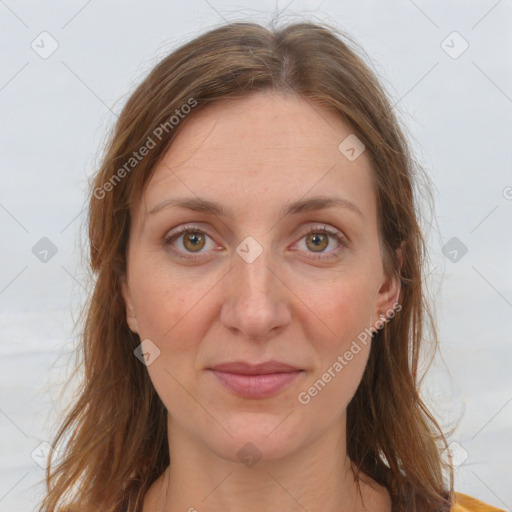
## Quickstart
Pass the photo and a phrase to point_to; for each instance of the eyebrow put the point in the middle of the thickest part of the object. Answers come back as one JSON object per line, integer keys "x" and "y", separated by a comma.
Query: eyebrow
{"x": 198, "y": 204}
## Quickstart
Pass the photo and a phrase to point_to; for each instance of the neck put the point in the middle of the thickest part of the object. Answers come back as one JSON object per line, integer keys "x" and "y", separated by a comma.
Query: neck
{"x": 318, "y": 476}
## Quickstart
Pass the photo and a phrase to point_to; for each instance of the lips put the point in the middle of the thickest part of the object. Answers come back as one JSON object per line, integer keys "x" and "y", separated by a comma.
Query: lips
{"x": 255, "y": 380}
{"x": 244, "y": 368}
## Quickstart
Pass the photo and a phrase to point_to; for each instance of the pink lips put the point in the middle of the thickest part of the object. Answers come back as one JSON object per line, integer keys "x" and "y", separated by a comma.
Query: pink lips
{"x": 255, "y": 381}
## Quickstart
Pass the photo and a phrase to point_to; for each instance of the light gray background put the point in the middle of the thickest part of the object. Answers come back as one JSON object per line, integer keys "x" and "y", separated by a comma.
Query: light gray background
{"x": 56, "y": 112}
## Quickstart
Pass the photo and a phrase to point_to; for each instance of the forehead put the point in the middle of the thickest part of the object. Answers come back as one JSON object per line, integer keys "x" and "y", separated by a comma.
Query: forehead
{"x": 261, "y": 149}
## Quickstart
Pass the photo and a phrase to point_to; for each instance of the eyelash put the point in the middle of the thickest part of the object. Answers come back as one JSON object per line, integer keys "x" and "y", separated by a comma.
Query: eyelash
{"x": 341, "y": 239}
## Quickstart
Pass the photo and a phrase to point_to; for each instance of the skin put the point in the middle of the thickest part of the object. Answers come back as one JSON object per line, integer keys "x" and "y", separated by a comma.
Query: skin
{"x": 253, "y": 155}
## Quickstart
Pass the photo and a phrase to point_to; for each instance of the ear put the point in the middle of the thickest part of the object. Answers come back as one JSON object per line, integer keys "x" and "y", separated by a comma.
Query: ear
{"x": 131, "y": 319}
{"x": 389, "y": 292}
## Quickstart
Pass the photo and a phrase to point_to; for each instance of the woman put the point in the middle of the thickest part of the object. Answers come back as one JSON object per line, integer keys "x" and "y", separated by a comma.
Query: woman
{"x": 253, "y": 338}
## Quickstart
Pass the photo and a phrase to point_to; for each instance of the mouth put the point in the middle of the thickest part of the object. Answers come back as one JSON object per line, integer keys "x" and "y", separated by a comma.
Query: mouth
{"x": 256, "y": 381}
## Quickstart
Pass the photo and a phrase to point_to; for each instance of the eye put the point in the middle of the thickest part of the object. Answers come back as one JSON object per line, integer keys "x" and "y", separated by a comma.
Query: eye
{"x": 317, "y": 239}
{"x": 193, "y": 239}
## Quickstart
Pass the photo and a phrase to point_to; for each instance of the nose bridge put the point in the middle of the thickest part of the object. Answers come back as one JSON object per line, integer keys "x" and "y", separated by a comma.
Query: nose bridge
{"x": 254, "y": 302}
{"x": 252, "y": 264}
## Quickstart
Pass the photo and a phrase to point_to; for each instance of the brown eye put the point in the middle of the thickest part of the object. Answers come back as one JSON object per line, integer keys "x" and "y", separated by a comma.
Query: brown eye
{"x": 317, "y": 242}
{"x": 188, "y": 240}
{"x": 322, "y": 242}
{"x": 193, "y": 241}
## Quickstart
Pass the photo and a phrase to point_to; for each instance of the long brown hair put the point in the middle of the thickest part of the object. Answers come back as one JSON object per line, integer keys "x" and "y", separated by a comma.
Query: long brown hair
{"x": 117, "y": 428}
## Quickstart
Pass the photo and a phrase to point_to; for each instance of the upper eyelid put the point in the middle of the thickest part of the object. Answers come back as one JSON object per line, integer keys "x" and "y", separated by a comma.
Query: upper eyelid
{"x": 183, "y": 228}
{"x": 319, "y": 226}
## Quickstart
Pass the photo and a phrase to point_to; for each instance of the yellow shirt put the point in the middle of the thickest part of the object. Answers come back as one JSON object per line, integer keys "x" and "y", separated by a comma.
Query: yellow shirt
{"x": 465, "y": 503}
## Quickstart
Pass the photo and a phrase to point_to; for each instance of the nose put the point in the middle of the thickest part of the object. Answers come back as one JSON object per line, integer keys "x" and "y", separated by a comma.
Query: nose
{"x": 256, "y": 303}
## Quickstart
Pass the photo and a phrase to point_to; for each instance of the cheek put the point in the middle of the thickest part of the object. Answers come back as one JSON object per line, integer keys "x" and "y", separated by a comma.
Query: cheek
{"x": 343, "y": 309}
{"x": 174, "y": 321}
{"x": 166, "y": 300}
{"x": 342, "y": 360}
{"x": 343, "y": 349}
{"x": 173, "y": 311}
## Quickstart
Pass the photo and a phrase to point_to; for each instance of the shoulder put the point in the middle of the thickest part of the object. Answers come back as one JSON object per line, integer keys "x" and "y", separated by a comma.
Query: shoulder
{"x": 81, "y": 507}
{"x": 465, "y": 503}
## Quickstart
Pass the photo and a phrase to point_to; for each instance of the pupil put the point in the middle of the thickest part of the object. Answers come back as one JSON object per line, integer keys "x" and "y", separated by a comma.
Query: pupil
{"x": 193, "y": 240}
{"x": 318, "y": 241}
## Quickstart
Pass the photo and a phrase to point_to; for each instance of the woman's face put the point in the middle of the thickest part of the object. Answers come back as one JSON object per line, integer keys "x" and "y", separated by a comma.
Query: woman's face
{"x": 258, "y": 279}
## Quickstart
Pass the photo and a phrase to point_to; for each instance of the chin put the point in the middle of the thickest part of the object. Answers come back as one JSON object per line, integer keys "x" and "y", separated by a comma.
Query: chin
{"x": 258, "y": 437}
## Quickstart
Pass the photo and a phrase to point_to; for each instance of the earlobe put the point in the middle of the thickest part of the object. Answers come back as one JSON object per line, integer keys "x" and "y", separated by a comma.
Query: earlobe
{"x": 388, "y": 297}
{"x": 389, "y": 293}
{"x": 131, "y": 318}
